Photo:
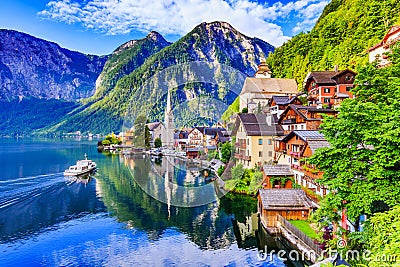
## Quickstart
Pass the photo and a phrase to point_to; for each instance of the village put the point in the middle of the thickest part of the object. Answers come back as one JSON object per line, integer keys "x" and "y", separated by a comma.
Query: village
{"x": 276, "y": 130}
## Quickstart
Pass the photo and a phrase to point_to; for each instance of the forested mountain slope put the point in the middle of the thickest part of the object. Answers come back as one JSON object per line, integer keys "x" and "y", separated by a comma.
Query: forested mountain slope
{"x": 341, "y": 36}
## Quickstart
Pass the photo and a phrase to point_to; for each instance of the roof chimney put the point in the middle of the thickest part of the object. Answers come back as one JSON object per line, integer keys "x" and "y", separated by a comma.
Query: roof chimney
{"x": 336, "y": 68}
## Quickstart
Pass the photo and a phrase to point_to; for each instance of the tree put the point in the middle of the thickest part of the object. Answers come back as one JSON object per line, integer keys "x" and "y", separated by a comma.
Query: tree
{"x": 147, "y": 136}
{"x": 226, "y": 152}
{"x": 362, "y": 165}
{"x": 382, "y": 236}
{"x": 245, "y": 110}
{"x": 157, "y": 142}
{"x": 140, "y": 130}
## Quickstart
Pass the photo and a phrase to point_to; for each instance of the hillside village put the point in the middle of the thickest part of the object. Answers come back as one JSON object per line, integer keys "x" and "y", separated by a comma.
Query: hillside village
{"x": 275, "y": 132}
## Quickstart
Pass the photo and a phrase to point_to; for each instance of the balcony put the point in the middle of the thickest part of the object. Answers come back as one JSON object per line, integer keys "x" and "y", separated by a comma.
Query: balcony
{"x": 240, "y": 145}
{"x": 248, "y": 158}
{"x": 242, "y": 157}
{"x": 238, "y": 156}
{"x": 294, "y": 154}
{"x": 312, "y": 172}
{"x": 289, "y": 121}
{"x": 297, "y": 167}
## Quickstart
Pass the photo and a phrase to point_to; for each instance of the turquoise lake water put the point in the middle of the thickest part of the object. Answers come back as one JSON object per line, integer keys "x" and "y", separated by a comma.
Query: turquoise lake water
{"x": 124, "y": 215}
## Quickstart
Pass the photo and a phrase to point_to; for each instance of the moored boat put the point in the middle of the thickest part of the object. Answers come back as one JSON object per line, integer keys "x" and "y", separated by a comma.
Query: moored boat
{"x": 81, "y": 167}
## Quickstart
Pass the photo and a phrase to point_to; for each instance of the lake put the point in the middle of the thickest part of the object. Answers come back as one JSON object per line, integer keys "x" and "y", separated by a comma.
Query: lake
{"x": 133, "y": 211}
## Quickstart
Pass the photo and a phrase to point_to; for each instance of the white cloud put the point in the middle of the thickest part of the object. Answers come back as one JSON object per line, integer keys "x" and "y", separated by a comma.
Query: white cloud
{"x": 180, "y": 16}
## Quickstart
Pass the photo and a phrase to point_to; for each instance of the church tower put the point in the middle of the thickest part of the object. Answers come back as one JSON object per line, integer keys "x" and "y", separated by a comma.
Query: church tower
{"x": 168, "y": 134}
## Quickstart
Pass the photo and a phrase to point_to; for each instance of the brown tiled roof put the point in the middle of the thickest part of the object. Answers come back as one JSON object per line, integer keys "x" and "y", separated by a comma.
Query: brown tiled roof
{"x": 277, "y": 170}
{"x": 284, "y": 199}
{"x": 324, "y": 77}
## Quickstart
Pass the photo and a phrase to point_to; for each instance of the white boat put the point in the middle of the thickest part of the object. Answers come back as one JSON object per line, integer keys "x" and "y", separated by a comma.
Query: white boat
{"x": 84, "y": 166}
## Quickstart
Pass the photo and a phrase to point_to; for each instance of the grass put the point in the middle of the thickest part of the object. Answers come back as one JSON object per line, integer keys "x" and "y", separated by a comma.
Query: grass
{"x": 305, "y": 227}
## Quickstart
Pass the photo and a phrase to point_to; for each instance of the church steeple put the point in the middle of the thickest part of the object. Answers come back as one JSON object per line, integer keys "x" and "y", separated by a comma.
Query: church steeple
{"x": 168, "y": 109}
{"x": 168, "y": 135}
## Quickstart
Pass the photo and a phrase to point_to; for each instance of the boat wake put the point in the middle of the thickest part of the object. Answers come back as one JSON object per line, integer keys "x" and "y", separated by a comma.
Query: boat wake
{"x": 17, "y": 190}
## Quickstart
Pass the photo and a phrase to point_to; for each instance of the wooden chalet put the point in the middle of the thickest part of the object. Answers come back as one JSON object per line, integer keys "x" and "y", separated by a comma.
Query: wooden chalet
{"x": 277, "y": 176}
{"x": 329, "y": 87}
{"x": 298, "y": 145}
{"x": 291, "y": 204}
{"x": 196, "y": 137}
{"x": 297, "y": 117}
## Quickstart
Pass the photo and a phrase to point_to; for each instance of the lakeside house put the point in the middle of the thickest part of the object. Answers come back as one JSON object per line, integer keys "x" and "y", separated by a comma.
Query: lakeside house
{"x": 254, "y": 138}
{"x": 298, "y": 117}
{"x": 329, "y": 87}
{"x": 181, "y": 139}
{"x": 258, "y": 90}
{"x": 291, "y": 204}
{"x": 298, "y": 145}
{"x": 277, "y": 176}
{"x": 378, "y": 51}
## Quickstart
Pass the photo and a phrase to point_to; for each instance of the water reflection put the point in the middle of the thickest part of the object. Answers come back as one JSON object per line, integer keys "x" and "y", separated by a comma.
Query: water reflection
{"x": 208, "y": 226}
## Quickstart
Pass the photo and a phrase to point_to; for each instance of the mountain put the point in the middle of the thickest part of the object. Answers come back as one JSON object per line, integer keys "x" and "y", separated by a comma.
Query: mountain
{"x": 341, "y": 36}
{"x": 125, "y": 59}
{"x": 128, "y": 90}
{"x": 32, "y": 67}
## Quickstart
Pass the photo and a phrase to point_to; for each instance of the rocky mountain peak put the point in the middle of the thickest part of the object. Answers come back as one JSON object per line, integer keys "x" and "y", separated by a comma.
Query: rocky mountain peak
{"x": 155, "y": 36}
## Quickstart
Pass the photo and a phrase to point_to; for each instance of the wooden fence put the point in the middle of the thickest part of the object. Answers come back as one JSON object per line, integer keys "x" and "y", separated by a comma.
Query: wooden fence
{"x": 299, "y": 234}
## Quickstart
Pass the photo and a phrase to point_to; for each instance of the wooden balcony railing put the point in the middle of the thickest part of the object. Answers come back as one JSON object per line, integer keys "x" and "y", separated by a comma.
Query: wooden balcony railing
{"x": 289, "y": 121}
{"x": 240, "y": 145}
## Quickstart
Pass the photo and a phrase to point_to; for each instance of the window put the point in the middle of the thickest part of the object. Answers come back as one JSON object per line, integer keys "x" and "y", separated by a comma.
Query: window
{"x": 270, "y": 154}
{"x": 260, "y": 154}
{"x": 327, "y": 90}
{"x": 348, "y": 88}
{"x": 302, "y": 127}
{"x": 269, "y": 141}
{"x": 247, "y": 141}
{"x": 327, "y": 100}
{"x": 260, "y": 141}
{"x": 349, "y": 78}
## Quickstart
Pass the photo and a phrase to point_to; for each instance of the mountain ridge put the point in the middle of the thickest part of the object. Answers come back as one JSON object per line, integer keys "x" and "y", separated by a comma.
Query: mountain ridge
{"x": 215, "y": 42}
{"x": 34, "y": 67}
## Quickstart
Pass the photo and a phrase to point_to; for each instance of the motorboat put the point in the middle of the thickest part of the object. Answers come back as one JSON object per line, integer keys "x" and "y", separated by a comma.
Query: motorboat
{"x": 84, "y": 166}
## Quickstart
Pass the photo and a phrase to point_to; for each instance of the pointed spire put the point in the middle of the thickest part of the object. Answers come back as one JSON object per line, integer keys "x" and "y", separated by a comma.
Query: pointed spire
{"x": 168, "y": 108}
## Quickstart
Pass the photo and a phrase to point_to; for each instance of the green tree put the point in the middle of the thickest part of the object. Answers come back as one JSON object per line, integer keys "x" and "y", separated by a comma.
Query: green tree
{"x": 140, "y": 131}
{"x": 147, "y": 136}
{"x": 362, "y": 165}
{"x": 226, "y": 152}
{"x": 382, "y": 235}
{"x": 245, "y": 110}
{"x": 158, "y": 142}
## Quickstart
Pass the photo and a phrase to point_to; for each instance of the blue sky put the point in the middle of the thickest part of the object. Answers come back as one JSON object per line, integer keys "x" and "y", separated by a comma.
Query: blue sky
{"x": 100, "y": 26}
